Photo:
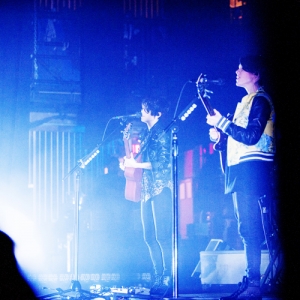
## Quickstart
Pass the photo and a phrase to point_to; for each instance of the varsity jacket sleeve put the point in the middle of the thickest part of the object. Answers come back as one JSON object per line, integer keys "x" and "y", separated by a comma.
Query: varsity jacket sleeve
{"x": 258, "y": 117}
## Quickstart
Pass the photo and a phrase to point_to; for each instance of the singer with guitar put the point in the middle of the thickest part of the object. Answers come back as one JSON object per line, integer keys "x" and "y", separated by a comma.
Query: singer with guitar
{"x": 249, "y": 166}
{"x": 156, "y": 195}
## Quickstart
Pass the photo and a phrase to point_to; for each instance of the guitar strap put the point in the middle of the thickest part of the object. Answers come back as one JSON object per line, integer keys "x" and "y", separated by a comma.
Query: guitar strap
{"x": 145, "y": 143}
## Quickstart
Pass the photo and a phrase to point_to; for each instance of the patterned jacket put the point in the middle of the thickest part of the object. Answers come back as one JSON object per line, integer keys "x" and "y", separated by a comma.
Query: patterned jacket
{"x": 155, "y": 148}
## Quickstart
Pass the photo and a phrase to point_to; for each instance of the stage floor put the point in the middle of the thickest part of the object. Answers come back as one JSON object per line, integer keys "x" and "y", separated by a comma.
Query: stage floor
{"x": 216, "y": 296}
{"x": 98, "y": 291}
{"x": 122, "y": 296}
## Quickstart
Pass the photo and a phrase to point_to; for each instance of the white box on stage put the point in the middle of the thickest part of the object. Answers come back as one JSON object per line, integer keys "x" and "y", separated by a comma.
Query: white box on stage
{"x": 226, "y": 267}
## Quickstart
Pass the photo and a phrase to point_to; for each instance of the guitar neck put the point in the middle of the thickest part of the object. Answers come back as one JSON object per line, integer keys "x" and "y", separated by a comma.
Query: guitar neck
{"x": 127, "y": 148}
{"x": 209, "y": 109}
{"x": 126, "y": 140}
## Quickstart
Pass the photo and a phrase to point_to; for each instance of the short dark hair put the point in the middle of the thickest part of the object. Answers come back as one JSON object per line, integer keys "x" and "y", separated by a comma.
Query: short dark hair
{"x": 156, "y": 105}
{"x": 254, "y": 64}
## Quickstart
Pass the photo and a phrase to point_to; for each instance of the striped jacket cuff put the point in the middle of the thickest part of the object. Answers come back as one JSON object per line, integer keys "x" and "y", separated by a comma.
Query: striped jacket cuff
{"x": 223, "y": 124}
{"x": 257, "y": 155}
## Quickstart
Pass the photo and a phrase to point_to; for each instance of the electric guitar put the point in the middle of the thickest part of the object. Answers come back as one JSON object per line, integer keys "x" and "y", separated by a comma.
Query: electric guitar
{"x": 221, "y": 143}
{"x": 133, "y": 175}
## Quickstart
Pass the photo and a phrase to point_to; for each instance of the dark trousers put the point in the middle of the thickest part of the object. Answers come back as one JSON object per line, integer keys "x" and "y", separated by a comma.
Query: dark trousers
{"x": 156, "y": 214}
{"x": 248, "y": 214}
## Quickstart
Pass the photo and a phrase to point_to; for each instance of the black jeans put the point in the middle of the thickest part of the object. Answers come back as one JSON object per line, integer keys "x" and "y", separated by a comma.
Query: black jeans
{"x": 248, "y": 214}
{"x": 156, "y": 214}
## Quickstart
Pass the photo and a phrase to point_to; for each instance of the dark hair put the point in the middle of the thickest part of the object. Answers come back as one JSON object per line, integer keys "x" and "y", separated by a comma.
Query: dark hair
{"x": 254, "y": 64}
{"x": 156, "y": 105}
{"x": 10, "y": 273}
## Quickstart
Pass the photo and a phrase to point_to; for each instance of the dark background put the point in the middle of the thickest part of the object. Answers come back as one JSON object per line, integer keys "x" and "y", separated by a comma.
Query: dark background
{"x": 193, "y": 37}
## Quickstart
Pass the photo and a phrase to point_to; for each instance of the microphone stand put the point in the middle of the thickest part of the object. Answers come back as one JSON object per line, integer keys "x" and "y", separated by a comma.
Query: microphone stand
{"x": 174, "y": 205}
{"x": 182, "y": 116}
{"x": 75, "y": 284}
{"x": 175, "y": 211}
{"x": 81, "y": 164}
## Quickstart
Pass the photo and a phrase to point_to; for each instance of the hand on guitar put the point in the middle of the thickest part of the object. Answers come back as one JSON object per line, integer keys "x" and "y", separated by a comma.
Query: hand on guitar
{"x": 121, "y": 164}
{"x": 128, "y": 162}
{"x": 214, "y": 134}
{"x": 213, "y": 120}
{"x": 131, "y": 162}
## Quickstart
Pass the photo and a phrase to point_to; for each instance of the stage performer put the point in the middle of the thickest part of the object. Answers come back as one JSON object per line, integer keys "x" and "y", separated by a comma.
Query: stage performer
{"x": 156, "y": 195}
{"x": 249, "y": 168}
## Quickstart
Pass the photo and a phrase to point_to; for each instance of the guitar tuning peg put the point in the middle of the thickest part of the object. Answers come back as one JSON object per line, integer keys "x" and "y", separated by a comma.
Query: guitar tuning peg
{"x": 206, "y": 93}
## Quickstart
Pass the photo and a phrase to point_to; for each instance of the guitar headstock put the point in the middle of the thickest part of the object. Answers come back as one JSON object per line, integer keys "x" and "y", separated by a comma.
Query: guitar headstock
{"x": 126, "y": 130}
{"x": 203, "y": 93}
{"x": 200, "y": 79}
{"x": 200, "y": 84}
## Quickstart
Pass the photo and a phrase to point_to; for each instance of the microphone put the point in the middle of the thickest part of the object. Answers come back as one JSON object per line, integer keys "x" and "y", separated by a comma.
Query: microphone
{"x": 136, "y": 115}
{"x": 205, "y": 80}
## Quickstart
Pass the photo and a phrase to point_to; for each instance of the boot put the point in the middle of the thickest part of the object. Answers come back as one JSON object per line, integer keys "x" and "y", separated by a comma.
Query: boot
{"x": 161, "y": 286}
{"x": 247, "y": 290}
{"x": 252, "y": 292}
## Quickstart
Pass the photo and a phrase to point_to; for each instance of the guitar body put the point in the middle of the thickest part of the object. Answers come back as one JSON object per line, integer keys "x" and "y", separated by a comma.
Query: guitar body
{"x": 133, "y": 184}
{"x": 221, "y": 143}
{"x": 221, "y": 146}
{"x": 133, "y": 176}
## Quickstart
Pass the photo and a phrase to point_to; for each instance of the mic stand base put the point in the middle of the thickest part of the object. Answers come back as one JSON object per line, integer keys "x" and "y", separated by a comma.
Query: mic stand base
{"x": 75, "y": 292}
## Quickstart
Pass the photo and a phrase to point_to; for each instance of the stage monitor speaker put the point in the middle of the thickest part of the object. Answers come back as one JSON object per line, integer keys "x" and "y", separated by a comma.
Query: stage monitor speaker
{"x": 226, "y": 267}
{"x": 216, "y": 245}
{"x": 213, "y": 245}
